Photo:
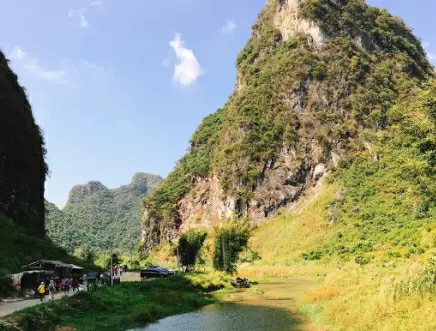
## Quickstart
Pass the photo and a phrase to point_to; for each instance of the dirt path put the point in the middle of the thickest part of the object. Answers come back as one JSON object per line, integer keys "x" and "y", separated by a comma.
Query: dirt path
{"x": 7, "y": 308}
{"x": 131, "y": 276}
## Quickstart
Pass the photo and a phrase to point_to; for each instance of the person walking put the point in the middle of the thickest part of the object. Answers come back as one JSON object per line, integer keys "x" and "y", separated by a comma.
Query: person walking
{"x": 64, "y": 285}
{"x": 41, "y": 290}
{"x": 52, "y": 289}
{"x": 85, "y": 281}
{"x": 68, "y": 285}
{"x": 75, "y": 285}
{"x": 58, "y": 285}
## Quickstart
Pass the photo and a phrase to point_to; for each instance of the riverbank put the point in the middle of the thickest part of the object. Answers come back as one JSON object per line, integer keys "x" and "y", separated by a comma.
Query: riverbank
{"x": 119, "y": 308}
{"x": 383, "y": 295}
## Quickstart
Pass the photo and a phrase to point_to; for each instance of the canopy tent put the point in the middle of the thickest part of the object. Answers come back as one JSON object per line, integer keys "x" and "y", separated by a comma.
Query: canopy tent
{"x": 45, "y": 264}
{"x": 59, "y": 268}
{"x": 76, "y": 267}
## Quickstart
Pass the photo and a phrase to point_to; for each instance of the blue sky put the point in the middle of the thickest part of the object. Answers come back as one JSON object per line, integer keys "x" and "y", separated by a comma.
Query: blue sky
{"x": 119, "y": 86}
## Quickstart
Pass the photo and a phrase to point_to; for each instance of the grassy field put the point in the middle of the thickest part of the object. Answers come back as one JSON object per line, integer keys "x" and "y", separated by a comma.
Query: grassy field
{"x": 393, "y": 290}
{"x": 119, "y": 308}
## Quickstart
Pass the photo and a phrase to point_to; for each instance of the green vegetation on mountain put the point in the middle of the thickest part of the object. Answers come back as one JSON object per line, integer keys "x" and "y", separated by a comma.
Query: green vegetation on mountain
{"x": 22, "y": 165}
{"x": 96, "y": 217}
{"x": 18, "y": 248}
{"x": 374, "y": 202}
{"x": 344, "y": 95}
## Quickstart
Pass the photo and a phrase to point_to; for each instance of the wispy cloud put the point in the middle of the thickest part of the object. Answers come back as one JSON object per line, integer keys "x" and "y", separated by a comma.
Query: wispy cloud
{"x": 188, "y": 70}
{"x": 95, "y": 69}
{"x": 431, "y": 56}
{"x": 229, "y": 27}
{"x": 95, "y": 3}
{"x": 32, "y": 67}
{"x": 79, "y": 14}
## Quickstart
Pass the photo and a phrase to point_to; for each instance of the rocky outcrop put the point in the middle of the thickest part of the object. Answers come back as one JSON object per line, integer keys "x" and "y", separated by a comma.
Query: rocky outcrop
{"x": 290, "y": 22}
{"x": 206, "y": 204}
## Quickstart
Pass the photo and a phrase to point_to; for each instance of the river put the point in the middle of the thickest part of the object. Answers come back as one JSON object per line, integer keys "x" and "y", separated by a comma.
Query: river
{"x": 274, "y": 310}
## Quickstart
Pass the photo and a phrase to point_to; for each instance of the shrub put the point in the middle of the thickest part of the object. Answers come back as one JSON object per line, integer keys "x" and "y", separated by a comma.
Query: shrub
{"x": 190, "y": 244}
{"x": 231, "y": 239}
{"x": 361, "y": 260}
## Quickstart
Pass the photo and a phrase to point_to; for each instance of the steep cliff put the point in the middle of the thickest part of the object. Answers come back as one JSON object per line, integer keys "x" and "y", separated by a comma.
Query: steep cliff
{"x": 315, "y": 84}
{"x": 96, "y": 217}
{"x": 22, "y": 165}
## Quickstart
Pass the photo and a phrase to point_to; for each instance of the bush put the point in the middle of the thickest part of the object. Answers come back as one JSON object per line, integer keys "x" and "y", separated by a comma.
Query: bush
{"x": 231, "y": 239}
{"x": 190, "y": 244}
{"x": 361, "y": 260}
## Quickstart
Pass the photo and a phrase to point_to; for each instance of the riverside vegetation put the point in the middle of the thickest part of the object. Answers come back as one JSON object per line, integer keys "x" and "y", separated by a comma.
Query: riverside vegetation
{"x": 121, "y": 307}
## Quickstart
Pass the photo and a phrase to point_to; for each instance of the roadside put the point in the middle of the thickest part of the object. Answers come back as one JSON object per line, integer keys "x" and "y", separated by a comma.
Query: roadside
{"x": 131, "y": 276}
{"x": 8, "y": 306}
{"x": 120, "y": 307}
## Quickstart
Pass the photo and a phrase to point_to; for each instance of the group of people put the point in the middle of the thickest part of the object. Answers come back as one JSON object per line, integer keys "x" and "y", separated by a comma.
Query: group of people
{"x": 118, "y": 270}
{"x": 66, "y": 284}
{"x": 57, "y": 285}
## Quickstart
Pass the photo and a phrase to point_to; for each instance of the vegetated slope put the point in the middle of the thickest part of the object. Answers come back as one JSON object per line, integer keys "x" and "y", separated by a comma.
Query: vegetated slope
{"x": 377, "y": 203}
{"x": 320, "y": 85}
{"x": 19, "y": 248}
{"x": 96, "y": 217}
{"x": 22, "y": 165}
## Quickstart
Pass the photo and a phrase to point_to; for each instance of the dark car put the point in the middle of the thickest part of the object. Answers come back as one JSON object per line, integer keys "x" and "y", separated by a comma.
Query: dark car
{"x": 156, "y": 272}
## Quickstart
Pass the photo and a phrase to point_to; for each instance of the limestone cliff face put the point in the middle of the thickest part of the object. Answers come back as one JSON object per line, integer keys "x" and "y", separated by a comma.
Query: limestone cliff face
{"x": 306, "y": 89}
{"x": 22, "y": 156}
{"x": 290, "y": 22}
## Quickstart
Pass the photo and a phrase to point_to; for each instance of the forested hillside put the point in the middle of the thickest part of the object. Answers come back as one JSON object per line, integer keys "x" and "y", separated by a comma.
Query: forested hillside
{"x": 22, "y": 165}
{"x": 323, "y": 86}
{"x": 96, "y": 217}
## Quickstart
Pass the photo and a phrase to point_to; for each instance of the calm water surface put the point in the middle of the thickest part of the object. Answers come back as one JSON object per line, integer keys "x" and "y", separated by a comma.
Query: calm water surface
{"x": 272, "y": 311}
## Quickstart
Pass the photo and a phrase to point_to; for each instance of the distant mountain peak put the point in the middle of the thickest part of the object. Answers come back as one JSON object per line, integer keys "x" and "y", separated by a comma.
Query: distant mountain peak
{"x": 78, "y": 192}
{"x": 146, "y": 177}
{"x": 95, "y": 215}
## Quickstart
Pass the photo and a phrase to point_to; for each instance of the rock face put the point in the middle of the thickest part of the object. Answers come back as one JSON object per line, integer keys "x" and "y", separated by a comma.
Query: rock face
{"x": 22, "y": 165}
{"x": 309, "y": 83}
{"x": 290, "y": 22}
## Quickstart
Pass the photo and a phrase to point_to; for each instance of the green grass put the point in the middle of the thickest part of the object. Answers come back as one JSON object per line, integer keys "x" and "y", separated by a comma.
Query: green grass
{"x": 120, "y": 307}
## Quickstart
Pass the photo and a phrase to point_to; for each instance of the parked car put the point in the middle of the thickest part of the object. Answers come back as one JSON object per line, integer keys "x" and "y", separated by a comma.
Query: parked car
{"x": 153, "y": 271}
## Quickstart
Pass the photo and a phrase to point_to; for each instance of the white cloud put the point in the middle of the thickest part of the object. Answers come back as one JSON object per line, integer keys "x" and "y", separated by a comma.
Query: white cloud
{"x": 229, "y": 27}
{"x": 95, "y": 3}
{"x": 80, "y": 15}
{"x": 188, "y": 70}
{"x": 31, "y": 66}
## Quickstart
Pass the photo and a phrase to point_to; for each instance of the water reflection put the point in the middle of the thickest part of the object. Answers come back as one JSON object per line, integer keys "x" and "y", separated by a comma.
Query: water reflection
{"x": 229, "y": 316}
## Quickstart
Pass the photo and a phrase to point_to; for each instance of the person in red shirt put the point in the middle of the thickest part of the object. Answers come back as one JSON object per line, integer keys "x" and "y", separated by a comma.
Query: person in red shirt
{"x": 75, "y": 284}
